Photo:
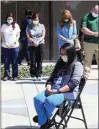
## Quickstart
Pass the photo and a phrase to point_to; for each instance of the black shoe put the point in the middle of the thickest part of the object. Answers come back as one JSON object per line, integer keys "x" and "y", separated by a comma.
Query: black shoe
{"x": 46, "y": 125}
{"x": 35, "y": 119}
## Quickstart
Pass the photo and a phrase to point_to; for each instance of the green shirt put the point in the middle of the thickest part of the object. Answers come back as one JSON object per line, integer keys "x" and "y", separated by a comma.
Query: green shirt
{"x": 92, "y": 24}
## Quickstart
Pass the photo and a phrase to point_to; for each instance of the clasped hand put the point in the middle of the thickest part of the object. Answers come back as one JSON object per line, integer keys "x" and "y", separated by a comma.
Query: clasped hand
{"x": 50, "y": 91}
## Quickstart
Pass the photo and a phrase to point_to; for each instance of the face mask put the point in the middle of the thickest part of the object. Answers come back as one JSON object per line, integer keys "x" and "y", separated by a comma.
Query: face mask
{"x": 94, "y": 14}
{"x": 66, "y": 20}
{"x": 9, "y": 21}
{"x": 64, "y": 58}
{"x": 35, "y": 22}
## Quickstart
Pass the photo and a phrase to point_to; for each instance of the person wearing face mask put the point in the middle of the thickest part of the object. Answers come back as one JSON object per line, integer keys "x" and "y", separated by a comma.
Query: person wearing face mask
{"x": 36, "y": 36}
{"x": 10, "y": 33}
{"x": 65, "y": 77}
{"x": 24, "y": 52}
{"x": 90, "y": 28}
{"x": 66, "y": 29}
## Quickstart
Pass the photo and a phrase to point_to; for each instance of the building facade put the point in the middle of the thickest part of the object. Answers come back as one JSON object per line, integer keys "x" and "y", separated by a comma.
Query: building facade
{"x": 49, "y": 15}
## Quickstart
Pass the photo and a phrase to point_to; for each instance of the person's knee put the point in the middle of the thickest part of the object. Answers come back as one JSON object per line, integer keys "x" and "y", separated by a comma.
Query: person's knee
{"x": 39, "y": 98}
{"x": 36, "y": 98}
{"x": 49, "y": 101}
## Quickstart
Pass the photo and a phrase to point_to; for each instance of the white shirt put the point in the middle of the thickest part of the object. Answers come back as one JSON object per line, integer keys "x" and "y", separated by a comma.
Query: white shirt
{"x": 10, "y": 35}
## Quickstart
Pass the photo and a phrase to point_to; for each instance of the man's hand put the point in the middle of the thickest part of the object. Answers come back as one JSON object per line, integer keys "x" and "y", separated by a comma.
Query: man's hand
{"x": 96, "y": 34}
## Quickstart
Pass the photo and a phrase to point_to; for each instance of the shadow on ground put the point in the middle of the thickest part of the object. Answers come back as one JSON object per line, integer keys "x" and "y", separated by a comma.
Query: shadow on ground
{"x": 22, "y": 127}
{"x": 44, "y": 78}
{"x": 32, "y": 82}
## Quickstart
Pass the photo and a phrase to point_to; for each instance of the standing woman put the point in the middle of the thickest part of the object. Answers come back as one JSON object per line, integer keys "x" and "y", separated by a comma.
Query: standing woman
{"x": 66, "y": 29}
{"x": 36, "y": 34}
{"x": 10, "y": 33}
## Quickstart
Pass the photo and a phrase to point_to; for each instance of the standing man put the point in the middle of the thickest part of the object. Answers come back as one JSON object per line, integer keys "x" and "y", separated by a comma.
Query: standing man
{"x": 90, "y": 28}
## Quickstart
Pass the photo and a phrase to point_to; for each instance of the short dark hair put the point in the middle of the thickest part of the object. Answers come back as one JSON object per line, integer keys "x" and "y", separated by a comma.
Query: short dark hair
{"x": 28, "y": 12}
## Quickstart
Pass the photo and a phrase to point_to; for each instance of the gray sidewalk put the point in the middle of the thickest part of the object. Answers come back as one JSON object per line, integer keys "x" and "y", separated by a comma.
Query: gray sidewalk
{"x": 18, "y": 109}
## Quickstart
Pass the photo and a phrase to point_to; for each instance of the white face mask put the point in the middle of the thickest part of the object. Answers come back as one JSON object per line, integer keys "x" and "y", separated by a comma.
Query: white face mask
{"x": 35, "y": 22}
{"x": 94, "y": 14}
{"x": 64, "y": 58}
{"x": 9, "y": 21}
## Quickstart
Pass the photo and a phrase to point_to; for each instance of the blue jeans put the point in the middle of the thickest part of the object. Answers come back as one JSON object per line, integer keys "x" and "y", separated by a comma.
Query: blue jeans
{"x": 45, "y": 105}
{"x": 10, "y": 57}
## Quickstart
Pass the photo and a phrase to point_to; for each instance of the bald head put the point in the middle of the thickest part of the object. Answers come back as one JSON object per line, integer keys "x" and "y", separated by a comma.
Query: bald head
{"x": 96, "y": 9}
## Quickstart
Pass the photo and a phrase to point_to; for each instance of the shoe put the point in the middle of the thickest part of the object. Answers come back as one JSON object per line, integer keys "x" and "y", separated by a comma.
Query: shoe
{"x": 34, "y": 78}
{"x": 44, "y": 126}
{"x": 35, "y": 119}
{"x": 39, "y": 78}
{"x": 5, "y": 78}
{"x": 14, "y": 79}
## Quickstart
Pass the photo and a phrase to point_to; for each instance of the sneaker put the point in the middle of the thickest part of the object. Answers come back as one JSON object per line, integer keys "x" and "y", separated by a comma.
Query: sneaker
{"x": 14, "y": 79}
{"x": 39, "y": 78}
{"x": 5, "y": 78}
{"x": 34, "y": 78}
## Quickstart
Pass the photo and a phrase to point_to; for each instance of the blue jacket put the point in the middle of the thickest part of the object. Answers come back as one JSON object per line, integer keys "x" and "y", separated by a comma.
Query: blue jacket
{"x": 66, "y": 32}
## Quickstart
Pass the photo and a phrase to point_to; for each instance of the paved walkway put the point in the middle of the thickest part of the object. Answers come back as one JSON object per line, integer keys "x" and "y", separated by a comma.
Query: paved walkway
{"x": 18, "y": 110}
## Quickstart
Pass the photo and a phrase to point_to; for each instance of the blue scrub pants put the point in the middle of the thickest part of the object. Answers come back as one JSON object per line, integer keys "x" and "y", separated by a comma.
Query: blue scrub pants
{"x": 45, "y": 105}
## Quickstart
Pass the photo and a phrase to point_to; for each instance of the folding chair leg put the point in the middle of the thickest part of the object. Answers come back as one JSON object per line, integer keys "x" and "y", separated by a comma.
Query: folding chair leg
{"x": 83, "y": 114}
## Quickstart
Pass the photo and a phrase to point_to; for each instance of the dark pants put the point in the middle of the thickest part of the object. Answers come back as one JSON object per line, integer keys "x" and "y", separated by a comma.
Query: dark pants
{"x": 2, "y": 57}
{"x": 10, "y": 57}
{"x": 36, "y": 58}
{"x": 80, "y": 56}
{"x": 24, "y": 52}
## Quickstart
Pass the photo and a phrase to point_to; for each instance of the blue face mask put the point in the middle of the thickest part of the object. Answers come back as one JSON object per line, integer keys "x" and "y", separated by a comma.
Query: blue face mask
{"x": 9, "y": 21}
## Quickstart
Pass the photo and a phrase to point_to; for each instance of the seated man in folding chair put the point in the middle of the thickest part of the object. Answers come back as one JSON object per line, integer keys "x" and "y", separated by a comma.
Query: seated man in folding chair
{"x": 64, "y": 78}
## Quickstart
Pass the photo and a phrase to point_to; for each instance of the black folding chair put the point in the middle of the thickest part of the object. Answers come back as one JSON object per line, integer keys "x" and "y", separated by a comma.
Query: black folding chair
{"x": 66, "y": 109}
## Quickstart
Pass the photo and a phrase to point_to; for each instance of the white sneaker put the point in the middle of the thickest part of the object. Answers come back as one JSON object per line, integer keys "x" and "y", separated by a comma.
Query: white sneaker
{"x": 39, "y": 78}
{"x": 34, "y": 78}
